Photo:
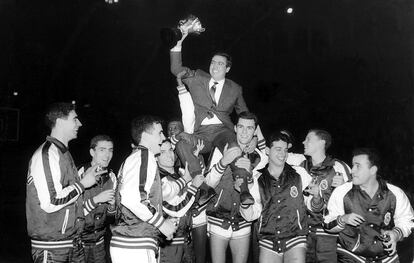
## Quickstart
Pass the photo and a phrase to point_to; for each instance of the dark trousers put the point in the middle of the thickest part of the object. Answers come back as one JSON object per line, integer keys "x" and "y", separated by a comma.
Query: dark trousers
{"x": 200, "y": 243}
{"x": 212, "y": 136}
{"x": 65, "y": 255}
{"x": 321, "y": 248}
{"x": 172, "y": 254}
{"x": 95, "y": 253}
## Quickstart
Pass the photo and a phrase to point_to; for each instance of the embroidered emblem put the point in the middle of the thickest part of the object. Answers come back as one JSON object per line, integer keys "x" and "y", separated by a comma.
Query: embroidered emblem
{"x": 294, "y": 192}
{"x": 387, "y": 218}
{"x": 323, "y": 185}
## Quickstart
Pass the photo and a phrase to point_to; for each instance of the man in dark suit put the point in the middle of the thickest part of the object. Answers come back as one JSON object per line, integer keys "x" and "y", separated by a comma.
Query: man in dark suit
{"x": 214, "y": 99}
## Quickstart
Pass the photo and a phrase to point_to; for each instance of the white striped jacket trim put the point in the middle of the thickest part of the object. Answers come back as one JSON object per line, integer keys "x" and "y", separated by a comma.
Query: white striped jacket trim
{"x": 192, "y": 189}
{"x": 363, "y": 259}
{"x": 156, "y": 220}
{"x": 178, "y": 241}
{"x": 88, "y": 206}
{"x": 181, "y": 89}
{"x": 181, "y": 183}
{"x": 268, "y": 244}
{"x": 261, "y": 144}
{"x": 321, "y": 232}
{"x": 51, "y": 244}
{"x": 134, "y": 243}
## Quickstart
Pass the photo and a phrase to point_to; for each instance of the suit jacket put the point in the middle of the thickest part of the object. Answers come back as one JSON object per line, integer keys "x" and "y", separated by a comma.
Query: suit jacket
{"x": 197, "y": 81}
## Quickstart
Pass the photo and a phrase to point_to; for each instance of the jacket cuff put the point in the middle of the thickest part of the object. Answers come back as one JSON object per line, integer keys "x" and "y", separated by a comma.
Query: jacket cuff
{"x": 176, "y": 49}
{"x": 90, "y": 205}
{"x": 79, "y": 188}
{"x": 156, "y": 220}
{"x": 192, "y": 190}
{"x": 261, "y": 144}
{"x": 181, "y": 90}
{"x": 220, "y": 167}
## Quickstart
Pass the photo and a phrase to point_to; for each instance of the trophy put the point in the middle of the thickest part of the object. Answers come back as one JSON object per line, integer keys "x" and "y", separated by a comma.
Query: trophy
{"x": 190, "y": 25}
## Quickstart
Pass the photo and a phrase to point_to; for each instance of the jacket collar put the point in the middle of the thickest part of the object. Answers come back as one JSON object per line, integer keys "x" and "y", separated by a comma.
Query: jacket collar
{"x": 57, "y": 143}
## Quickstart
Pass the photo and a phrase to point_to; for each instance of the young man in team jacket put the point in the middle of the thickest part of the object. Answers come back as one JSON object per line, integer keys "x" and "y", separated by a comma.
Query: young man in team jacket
{"x": 54, "y": 203}
{"x": 99, "y": 202}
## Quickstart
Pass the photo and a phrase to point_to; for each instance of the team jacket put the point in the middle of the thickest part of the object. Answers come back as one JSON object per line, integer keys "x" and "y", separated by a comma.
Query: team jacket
{"x": 96, "y": 214}
{"x": 223, "y": 209}
{"x": 280, "y": 206}
{"x": 53, "y": 196}
{"x": 178, "y": 205}
{"x": 139, "y": 196}
{"x": 388, "y": 209}
{"x": 323, "y": 174}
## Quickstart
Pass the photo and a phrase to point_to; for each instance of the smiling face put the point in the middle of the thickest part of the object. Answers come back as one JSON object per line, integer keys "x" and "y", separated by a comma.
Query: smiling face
{"x": 102, "y": 153}
{"x": 218, "y": 67}
{"x": 166, "y": 159}
{"x": 362, "y": 171}
{"x": 69, "y": 125}
{"x": 244, "y": 131}
{"x": 174, "y": 128}
{"x": 153, "y": 137}
{"x": 278, "y": 153}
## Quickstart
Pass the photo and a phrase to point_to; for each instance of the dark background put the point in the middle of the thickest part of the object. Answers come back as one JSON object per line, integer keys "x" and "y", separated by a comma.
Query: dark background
{"x": 343, "y": 65}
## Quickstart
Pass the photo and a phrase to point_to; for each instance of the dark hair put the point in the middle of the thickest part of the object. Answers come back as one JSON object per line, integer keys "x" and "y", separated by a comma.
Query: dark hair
{"x": 99, "y": 138}
{"x": 278, "y": 136}
{"x": 247, "y": 115}
{"x": 141, "y": 124}
{"x": 372, "y": 155}
{"x": 57, "y": 110}
{"x": 323, "y": 135}
{"x": 229, "y": 60}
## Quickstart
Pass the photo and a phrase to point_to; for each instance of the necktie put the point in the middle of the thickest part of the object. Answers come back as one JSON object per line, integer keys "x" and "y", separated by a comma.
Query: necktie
{"x": 213, "y": 92}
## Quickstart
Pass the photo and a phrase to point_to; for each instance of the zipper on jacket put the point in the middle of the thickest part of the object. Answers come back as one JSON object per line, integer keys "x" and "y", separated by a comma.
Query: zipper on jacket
{"x": 65, "y": 221}
{"x": 297, "y": 212}
{"x": 218, "y": 199}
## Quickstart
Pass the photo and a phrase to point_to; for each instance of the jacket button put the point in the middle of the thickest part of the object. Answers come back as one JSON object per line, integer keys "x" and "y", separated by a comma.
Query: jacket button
{"x": 278, "y": 241}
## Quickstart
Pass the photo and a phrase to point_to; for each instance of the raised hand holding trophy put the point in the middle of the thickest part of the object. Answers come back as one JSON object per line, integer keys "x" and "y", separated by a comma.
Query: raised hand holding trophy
{"x": 190, "y": 25}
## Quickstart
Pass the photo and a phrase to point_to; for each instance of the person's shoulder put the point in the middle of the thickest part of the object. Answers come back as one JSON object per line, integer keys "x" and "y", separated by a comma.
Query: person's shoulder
{"x": 202, "y": 74}
{"x": 231, "y": 83}
{"x": 395, "y": 189}
{"x": 343, "y": 189}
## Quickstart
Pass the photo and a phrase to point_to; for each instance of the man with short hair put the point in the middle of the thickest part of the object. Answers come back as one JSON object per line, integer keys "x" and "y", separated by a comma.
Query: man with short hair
{"x": 226, "y": 226}
{"x": 99, "y": 202}
{"x": 369, "y": 214}
{"x": 140, "y": 222}
{"x": 176, "y": 204}
{"x": 174, "y": 127}
{"x": 54, "y": 191}
{"x": 214, "y": 97}
{"x": 327, "y": 173}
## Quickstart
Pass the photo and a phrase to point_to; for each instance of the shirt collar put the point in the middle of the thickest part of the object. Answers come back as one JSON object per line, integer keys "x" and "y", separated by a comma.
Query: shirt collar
{"x": 219, "y": 82}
